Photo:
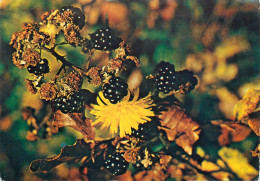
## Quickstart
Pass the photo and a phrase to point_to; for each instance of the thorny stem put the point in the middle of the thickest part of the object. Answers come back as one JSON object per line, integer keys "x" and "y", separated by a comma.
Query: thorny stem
{"x": 65, "y": 63}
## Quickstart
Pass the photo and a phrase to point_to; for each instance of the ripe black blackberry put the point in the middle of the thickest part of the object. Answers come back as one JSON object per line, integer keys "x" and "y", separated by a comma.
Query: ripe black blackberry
{"x": 72, "y": 104}
{"x": 104, "y": 39}
{"x": 42, "y": 67}
{"x": 115, "y": 90}
{"x": 164, "y": 77}
{"x": 146, "y": 130}
{"x": 77, "y": 15}
{"x": 116, "y": 164}
{"x": 186, "y": 80}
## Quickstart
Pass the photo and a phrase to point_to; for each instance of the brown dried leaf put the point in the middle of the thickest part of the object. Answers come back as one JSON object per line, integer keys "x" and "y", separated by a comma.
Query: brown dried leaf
{"x": 69, "y": 153}
{"x": 76, "y": 121}
{"x": 180, "y": 127}
{"x": 233, "y": 132}
{"x": 254, "y": 122}
{"x": 125, "y": 177}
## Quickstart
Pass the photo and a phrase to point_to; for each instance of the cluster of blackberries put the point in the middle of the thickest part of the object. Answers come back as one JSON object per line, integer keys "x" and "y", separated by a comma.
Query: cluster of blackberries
{"x": 41, "y": 67}
{"x": 69, "y": 104}
{"x": 77, "y": 15}
{"x": 116, "y": 164}
{"x": 115, "y": 89}
{"x": 167, "y": 79}
{"x": 104, "y": 39}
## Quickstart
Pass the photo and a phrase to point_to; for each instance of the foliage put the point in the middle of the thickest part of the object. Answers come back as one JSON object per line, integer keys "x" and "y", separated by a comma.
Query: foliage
{"x": 209, "y": 133}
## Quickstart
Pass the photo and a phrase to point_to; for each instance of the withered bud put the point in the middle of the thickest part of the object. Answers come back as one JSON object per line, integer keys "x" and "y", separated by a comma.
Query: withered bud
{"x": 30, "y": 86}
{"x": 17, "y": 60}
{"x": 74, "y": 80}
{"x": 115, "y": 63}
{"x": 47, "y": 91}
{"x": 31, "y": 56}
{"x": 93, "y": 73}
{"x": 72, "y": 34}
{"x": 131, "y": 155}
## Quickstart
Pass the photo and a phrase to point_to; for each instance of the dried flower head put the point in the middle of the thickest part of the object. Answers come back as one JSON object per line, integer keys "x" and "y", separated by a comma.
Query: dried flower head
{"x": 93, "y": 73}
{"x": 123, "y": 116}
{"x": 131, "y": 155}
{"x": 74, "y": 80}
{"x": 47, "y": 91}
{"x": 31, "y": 56}
{"x": 30, "y": 86}
{"x": 30, "y": 26}
{"x": 18, "y": 61}
{"x": 115, "y": 63}
{"x": 72, "y": 34}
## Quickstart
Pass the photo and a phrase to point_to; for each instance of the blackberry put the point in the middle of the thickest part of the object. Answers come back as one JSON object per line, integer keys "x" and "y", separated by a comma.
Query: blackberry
{"x": 41, "y": 67}
{"x": 116, "y": 164}
{"x": 77, "y": 15}
{"x": 115, "y": 90}
{"x": 72, "y": 104}
{"x": 104, "y": 39}
{"x": 164, "y": 77}
{"x": 146, "y": 131}
{"x": 186, "y": 80}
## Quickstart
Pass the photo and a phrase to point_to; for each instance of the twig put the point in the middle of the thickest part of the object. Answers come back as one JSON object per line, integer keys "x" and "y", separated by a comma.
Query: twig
{"x": 65, "y": 63}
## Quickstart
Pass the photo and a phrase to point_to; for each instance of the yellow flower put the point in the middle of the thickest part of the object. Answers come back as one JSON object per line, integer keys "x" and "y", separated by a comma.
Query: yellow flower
{"x": 123, "y": 116}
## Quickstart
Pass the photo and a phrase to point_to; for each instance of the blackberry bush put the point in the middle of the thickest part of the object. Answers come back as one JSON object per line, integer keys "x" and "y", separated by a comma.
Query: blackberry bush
{"x": 115, "y": 89}
{"x": 41, "y": 67}
{"x": 104, "y": 39}
{"x": 72, "y": 104}
{"x": 164, "y": 77}
{"x": 116, "y": 164}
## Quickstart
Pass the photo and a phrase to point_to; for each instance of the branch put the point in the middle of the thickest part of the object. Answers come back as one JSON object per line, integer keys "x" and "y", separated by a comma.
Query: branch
{"x": 65, "y": 63}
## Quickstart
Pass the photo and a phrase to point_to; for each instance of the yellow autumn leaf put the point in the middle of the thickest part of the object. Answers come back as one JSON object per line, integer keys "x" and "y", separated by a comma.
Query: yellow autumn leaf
{"x": 247, "y": 105}
{"x": 238, "y": 163}
{"x": 227, "y": 100}
{"x": 209, "y": 166}
{"x": 230, "y": 47}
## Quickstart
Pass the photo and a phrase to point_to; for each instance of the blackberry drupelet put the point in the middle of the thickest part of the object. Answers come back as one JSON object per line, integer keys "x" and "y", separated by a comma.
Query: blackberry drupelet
{"x": 104, "y": 39}
{"x": 42, "y": 67}
{"x": 115, "y": 90}
{"x": 186, "y": 80}
{"x": 164, "y": 77}
{"x": 72, "y": 104}
{"x": 77, "y": 15}
{"x": 116, "y": 164}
